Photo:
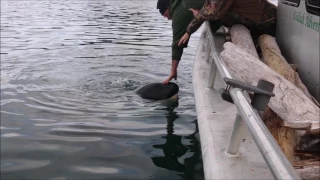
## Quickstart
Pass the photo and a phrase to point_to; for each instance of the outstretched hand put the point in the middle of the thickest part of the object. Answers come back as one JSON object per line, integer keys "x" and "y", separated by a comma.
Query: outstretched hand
{"x": 184, "y": 39}
{"x": 171, "y": 76}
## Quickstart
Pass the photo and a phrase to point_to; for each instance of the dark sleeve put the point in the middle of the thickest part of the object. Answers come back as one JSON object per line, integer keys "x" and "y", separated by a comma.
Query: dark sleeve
{"x": 180, "y": 21}
{"x": 177, "y": 53}
{"x": 212, "y": 10}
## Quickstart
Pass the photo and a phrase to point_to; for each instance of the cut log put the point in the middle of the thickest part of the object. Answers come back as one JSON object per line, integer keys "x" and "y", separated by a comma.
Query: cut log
{"x": 241, "y": 36}
{"x": 315, "y": 128}
{"x": 273, "y": 58}
{"x": 290, "y": 103}
{"x": 285, "y": 137}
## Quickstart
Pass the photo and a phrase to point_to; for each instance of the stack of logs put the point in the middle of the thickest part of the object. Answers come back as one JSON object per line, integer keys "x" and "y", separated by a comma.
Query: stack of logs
{"x": 293, "y": 114}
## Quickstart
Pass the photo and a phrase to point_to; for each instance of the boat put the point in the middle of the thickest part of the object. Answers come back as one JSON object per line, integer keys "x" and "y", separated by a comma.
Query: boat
{"x": 298, "y": 38}
{"x": 235, "y": 143}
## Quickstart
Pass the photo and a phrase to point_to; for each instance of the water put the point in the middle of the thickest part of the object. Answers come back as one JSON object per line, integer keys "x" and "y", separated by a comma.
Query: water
{"x": 68, "y": 108}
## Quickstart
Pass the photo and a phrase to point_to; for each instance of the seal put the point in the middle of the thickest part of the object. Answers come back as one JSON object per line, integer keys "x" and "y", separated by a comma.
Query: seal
{"x": 158, "y": 91}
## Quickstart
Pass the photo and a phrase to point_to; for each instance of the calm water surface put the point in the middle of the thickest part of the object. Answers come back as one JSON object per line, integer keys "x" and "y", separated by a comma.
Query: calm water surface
{"x": 68, "y": 108}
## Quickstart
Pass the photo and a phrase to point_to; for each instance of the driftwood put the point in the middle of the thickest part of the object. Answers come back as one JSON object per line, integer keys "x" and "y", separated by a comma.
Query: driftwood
{"x": 308, "y": 170}
{"x": 240, "y": 36}
{"x": 308, "y": 165}
{"x": 273, "y": 58}
{"x": 304, "y": 156}
{"x": 307, "y": 162}
{"x": 285, "y": 137}
{"x": 294, "y": 67}
{"x": 290, "y": 103}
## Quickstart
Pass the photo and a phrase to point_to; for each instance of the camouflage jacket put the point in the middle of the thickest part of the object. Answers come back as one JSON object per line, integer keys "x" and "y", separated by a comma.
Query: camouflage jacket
{"x": 252, "y": 13}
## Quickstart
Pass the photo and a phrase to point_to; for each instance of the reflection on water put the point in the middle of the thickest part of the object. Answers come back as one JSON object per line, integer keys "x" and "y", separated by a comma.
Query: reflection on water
{"x": 69, "y": 70}
{"x": 174, "y": 151}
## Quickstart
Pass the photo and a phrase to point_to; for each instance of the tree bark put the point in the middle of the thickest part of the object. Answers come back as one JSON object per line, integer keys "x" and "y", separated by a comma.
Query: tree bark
{"x": 290, "y": 103}
{"x": 285, "y": 137}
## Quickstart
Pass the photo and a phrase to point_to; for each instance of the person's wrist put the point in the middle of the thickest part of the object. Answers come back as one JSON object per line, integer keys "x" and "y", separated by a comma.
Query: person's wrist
{"x": 188, "y": 32}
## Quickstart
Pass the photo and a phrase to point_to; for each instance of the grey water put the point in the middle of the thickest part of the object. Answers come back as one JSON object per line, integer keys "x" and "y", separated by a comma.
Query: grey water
{"x": 69, "y": 70}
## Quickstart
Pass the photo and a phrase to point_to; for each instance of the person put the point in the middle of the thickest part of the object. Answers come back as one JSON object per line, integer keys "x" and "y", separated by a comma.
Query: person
{"x": 179, "y": 11}
{"x": 259, "y": 16}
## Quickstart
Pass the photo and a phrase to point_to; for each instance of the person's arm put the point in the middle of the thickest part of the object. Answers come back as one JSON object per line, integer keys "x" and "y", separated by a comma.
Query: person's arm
{"x": 211, "y": 10}
{"x": 174, "y": 71}
{"x": 176, "y": 56}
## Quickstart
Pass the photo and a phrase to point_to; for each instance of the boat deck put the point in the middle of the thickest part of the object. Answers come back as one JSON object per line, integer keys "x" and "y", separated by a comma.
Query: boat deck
{"x": 216, "y": 119}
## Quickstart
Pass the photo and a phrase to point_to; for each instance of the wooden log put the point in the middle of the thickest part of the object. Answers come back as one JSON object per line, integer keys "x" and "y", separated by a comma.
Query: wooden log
{"x": 290, "y": 103}
{"x": 315, "y": 128}
{"x": 241, "y": 36}
{"x": 285, "y": 137}
{"x": 308, "y": 162}
{"x": 273, "y": 58}
{"x": 309, "y": 170}
{"x": 294, "y": 67}
{"x": 309, "y": 173}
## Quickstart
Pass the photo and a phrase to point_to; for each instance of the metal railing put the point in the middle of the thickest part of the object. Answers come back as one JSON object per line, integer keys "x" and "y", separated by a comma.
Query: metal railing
{"x": 279, "y": 165}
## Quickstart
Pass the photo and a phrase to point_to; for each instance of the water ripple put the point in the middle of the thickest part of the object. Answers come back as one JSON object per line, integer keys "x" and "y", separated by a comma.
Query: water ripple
{"x": 69, "y": 72}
